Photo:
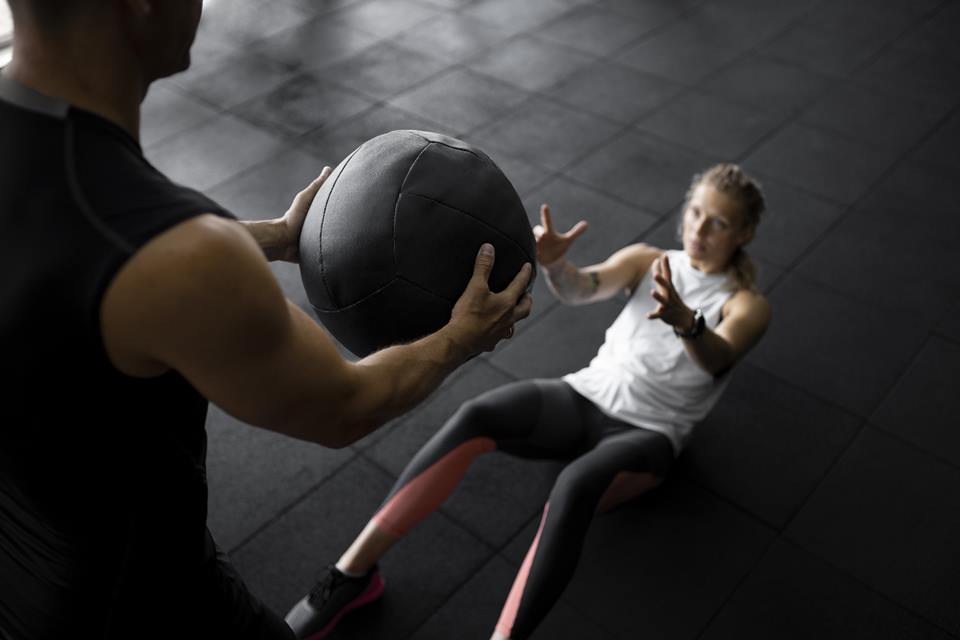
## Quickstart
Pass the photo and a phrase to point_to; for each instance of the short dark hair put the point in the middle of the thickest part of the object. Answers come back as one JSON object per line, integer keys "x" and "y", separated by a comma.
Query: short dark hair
{"x": 48, "y": 14}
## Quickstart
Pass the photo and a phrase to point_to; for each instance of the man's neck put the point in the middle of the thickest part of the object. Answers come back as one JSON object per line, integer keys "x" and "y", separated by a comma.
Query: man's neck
{"x": 96, "y": 80}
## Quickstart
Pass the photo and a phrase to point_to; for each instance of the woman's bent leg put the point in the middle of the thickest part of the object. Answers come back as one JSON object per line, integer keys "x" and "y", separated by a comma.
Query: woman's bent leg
{"x": 534, "y": 418}
{"x": 552, "y": 558}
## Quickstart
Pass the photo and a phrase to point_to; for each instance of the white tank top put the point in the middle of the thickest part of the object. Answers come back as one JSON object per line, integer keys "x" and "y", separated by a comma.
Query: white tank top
{"x": 642, "y": 373}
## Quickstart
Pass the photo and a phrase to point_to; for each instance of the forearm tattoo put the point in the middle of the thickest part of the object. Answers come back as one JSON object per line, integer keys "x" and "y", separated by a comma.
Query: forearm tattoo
{"x": 571, "y": 284}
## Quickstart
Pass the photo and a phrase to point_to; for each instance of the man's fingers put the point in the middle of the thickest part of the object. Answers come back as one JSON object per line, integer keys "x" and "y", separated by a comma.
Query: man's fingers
{"x": 666, "y": 269}
{"x": 659, "y": 297}
{"x": 545, "y": 218}
{"x": 484, "y": 263}
{"x": 319, "y": 180}
{"x": 520, "y": 281}
{"x": 523, "y": 308}
{"x": 656, "y": 313}
{"x": 305, "y": 197}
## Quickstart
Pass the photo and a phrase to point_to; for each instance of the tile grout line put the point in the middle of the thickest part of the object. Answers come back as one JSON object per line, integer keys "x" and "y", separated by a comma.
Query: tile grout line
{"x": 553, "y": 174}
{"x": 904, "y": 155}
{"x": 874, "y": 590}
{"x": 736, "y": 588}
{"x": 303, "y": 496}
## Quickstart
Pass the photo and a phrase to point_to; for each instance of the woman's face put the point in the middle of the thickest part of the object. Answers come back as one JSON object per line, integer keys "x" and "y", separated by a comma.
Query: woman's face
{"x": 712, "y": 228}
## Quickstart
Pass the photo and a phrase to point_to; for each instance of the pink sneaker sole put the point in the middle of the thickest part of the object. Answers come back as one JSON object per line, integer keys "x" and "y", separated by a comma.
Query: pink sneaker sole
{"x": 373, "y": 591}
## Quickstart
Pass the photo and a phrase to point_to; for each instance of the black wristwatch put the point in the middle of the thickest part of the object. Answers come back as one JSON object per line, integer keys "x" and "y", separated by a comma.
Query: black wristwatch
{"x": 699, "y": 324}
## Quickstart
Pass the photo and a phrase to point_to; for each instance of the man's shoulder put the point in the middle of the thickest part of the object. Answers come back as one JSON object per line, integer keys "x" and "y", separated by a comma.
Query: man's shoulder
{"x": 193, "y": 273}
{"x": 123, "y": 188}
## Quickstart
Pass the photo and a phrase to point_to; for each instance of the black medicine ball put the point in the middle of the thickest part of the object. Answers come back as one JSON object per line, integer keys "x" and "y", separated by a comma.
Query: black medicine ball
{"x": 390, "y": 241}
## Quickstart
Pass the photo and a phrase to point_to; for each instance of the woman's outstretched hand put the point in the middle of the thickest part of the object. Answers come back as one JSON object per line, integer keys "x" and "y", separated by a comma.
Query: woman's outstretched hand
{"x": 671, "y": 309}
{"x": 551, "y": 246}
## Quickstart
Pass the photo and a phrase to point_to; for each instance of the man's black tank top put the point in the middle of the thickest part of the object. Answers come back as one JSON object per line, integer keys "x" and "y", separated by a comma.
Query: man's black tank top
{"x": 103, "y": 495}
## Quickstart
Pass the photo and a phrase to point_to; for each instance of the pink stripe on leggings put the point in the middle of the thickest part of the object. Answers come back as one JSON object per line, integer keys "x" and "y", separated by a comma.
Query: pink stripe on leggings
{"x": 424, "y": 494}
{"x": 509, "y": 614}
{"x": 626, "y": 486}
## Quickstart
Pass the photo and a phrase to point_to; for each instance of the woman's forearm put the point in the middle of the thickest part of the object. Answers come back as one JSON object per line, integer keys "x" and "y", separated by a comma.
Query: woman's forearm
{"x": 570, "y": 284}
{"x": 710, "y": 352}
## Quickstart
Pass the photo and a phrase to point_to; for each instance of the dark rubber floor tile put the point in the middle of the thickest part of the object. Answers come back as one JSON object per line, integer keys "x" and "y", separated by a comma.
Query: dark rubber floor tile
{"x": 421, "y": 572}
{"x": 660, "y": 566}
{"x": 767, "y": 444}
{"x": 851, "y": 360}
{"x": 709, "y": 124}
{"x": 475, "y": 609}
{"x": 920, "y": 408}
{"x": 887, "y": 514}
{"x": 794, "y": 595}
{"x": 821, "y": 162}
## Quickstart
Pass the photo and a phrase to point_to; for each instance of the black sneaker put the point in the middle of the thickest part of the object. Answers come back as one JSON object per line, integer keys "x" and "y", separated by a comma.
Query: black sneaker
{"x": 331, "y": 598}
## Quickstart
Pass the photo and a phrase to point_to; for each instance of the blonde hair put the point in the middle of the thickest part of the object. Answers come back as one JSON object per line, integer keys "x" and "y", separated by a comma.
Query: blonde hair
{"x": 730, "y": 180}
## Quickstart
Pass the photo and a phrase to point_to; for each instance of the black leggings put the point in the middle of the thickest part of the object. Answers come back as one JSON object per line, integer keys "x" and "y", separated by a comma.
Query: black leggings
{"x": 611, "y": 461}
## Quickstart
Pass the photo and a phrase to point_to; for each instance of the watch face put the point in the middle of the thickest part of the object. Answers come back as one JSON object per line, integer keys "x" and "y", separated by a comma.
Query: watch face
{"x": 698, "y": 322}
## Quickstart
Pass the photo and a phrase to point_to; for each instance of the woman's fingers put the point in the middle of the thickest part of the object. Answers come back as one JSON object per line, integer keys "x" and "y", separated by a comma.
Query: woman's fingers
{"x": 577, "y": 231}
{"x": 665, "y": 285}
{"x": 545, "y": 217}
{"x": 662, "y": 284}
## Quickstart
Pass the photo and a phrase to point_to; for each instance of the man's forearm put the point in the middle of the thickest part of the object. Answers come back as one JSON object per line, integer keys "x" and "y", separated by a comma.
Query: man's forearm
{"x": 269, "y": 234}
{"x": 399, "y": 378}
{"x": 570, "y": 284}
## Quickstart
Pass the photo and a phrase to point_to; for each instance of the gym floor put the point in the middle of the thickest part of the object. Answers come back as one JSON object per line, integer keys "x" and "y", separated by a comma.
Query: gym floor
{"x": 821, "y": 499}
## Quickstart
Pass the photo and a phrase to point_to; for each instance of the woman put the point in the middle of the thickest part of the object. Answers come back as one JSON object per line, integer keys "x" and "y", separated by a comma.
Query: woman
{"x": 621, "y": 421}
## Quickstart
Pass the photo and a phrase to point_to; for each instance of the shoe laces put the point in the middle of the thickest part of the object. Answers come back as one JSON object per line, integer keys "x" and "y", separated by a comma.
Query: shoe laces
{"x": 325, "y": 587}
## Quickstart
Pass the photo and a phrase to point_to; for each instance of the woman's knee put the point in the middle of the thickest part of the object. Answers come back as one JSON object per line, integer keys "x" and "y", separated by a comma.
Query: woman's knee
{"x": 496, "y": 414}
{"x": 474, "y": 419}
{"x": 575, "y": 492}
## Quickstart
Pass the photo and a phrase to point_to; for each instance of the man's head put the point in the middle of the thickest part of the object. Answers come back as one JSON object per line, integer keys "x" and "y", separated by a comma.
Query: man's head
{"x": 157, "y": 34}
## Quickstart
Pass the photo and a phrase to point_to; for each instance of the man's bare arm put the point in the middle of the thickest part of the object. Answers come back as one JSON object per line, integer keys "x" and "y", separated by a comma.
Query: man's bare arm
{"x": 279, "y": 238}
{"x": 200, "y": 299}
{"x": 270, "y": 235}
